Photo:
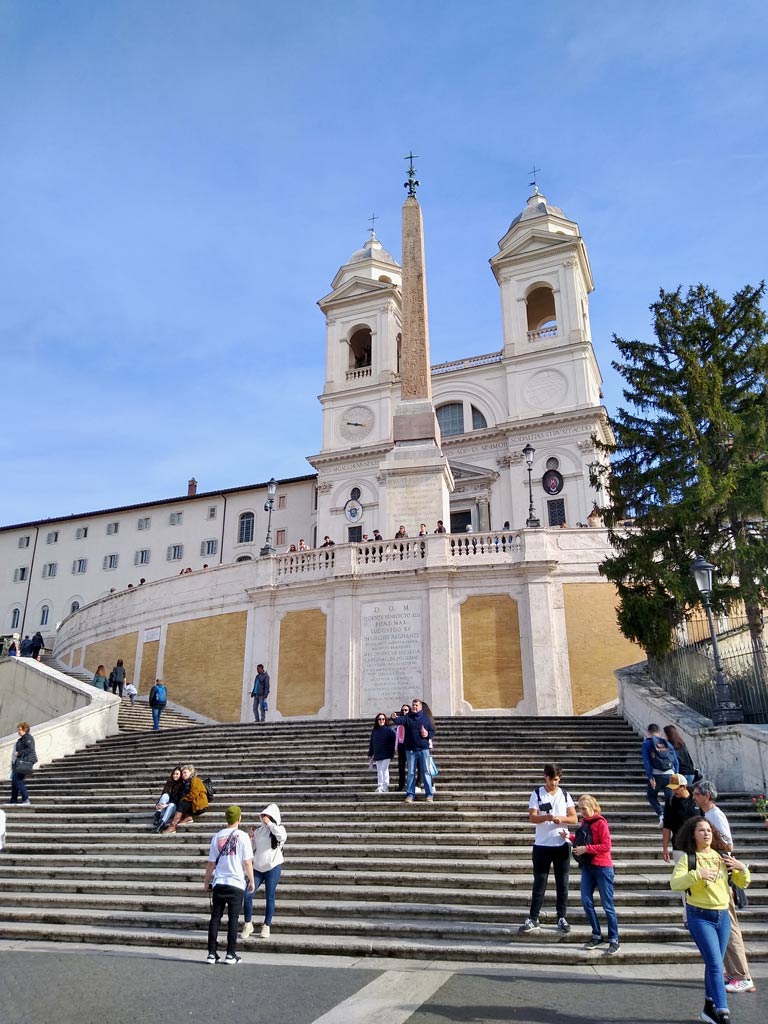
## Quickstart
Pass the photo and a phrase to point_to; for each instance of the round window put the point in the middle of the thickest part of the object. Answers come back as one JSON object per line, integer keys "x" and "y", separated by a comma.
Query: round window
{"x": 355, "y": 494}
{"x": 553, "y": 463}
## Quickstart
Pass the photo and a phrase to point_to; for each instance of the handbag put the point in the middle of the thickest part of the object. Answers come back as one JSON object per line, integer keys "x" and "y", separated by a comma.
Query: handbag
{"x": 740, "y": 899}
{"x": 22, "y": 766}
{"x": 432, "y": 767}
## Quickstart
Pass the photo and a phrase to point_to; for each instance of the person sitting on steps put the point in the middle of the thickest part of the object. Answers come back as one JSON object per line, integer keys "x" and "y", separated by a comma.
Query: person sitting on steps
{"x": 194, "y": 800}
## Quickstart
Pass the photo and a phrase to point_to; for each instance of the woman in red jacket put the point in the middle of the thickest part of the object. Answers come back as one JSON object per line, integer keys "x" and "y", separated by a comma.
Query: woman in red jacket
{"x": 594, "y": 856}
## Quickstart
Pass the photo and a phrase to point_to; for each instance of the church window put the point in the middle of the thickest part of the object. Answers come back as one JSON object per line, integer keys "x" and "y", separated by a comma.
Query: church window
{"x": 542, "y": 318}
{"x": 15, "y": 618}
{"x": 355, "y": 494}
{"x": 360, "y": 349}
{"x": 74, "y": 607}
{"x": 45, "y": 611}
{"x": 175, "y": 552}
{"x": 553, "y": 463}
{"x": 110, "y": 561}
{"x": 245, "y": 528}
{"x": 49, "y": 569}
{"x": 556, "y": 511}
{"x": 141, "y": 557}
{"x": 244, "y": 558}
{"x": 450, "y": 419}
{"x": 384, "y": 279}
{"x": 479, "y": 421}
{"x": 20, "y": 574}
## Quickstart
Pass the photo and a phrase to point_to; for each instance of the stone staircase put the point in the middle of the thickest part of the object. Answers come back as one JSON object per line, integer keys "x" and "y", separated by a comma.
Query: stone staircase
{"x": 365, "y": 874}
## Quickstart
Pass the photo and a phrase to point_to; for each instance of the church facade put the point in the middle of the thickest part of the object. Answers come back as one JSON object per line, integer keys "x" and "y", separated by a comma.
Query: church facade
{"x": 505, "y": 612}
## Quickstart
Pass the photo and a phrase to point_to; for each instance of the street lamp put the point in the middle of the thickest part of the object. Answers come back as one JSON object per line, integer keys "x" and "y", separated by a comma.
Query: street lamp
{"x": 269, "y": 504}
{"x": 528, "y": 452}
{"x": 726, "y": 710}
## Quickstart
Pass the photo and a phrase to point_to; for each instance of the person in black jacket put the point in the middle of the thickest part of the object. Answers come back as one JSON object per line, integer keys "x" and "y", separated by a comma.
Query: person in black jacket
{"x": 677, "y": 811}
{"x": 117, "y": 677}
{"x": 418, "y": 732}
{"x": 37, "y": 645}
{"x": 381, "y": 748}
{"x": 24, "y": 758}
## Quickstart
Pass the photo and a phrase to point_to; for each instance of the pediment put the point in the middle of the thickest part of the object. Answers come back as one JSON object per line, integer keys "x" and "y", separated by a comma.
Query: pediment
{"x": 356, "y": 288}
{"x": 516, "y": 243}
{"x": 469, "y": 474}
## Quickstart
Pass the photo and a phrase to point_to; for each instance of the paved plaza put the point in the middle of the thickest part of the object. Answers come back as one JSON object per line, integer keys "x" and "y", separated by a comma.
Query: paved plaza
{"x": 46, "y": 983}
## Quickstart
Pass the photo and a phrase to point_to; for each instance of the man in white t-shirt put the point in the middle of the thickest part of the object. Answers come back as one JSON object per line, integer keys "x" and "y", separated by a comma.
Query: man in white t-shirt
{"x": 551, "y": 810}
{"x": 228, "y": 872}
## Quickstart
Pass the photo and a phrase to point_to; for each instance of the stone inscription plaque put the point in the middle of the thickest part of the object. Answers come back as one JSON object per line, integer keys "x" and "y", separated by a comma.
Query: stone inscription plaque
{"x": 391, "y": 655}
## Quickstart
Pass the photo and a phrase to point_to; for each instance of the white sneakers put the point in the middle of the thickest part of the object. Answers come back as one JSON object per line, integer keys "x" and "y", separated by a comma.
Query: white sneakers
{"x": 265, "y": 931}
{"x": 247, "y": 929}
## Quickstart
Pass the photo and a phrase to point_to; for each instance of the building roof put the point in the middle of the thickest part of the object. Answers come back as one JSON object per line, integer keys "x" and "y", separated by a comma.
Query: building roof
{"x": 537, "y": 206}
{"x": 201, "y": 496}
{"x": 373, "y": 250}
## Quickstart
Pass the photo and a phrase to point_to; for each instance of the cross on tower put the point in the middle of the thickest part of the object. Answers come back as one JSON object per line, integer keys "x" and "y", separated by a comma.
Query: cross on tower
{"x": 412, "y": 184}
{"x": 533, "y": 172}
{"x": 373, "y": 218}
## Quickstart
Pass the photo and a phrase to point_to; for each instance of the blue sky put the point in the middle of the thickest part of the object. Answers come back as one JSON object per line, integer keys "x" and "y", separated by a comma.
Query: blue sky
{"x": 181, "y": 179}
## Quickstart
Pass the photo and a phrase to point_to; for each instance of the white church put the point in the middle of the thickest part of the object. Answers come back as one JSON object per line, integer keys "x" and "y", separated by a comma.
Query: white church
{"x": 504, "y": 613}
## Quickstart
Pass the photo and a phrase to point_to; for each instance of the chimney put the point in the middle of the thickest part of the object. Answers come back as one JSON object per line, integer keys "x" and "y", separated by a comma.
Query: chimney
{"x": 192, "y": 488}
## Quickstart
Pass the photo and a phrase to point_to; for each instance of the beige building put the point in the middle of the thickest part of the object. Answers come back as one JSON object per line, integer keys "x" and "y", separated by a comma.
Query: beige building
{"x": 496, "y": 616}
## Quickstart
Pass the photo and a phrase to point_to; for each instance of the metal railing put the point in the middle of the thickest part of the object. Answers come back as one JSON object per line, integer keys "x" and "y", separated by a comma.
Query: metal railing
{"x": 687, "y": 673}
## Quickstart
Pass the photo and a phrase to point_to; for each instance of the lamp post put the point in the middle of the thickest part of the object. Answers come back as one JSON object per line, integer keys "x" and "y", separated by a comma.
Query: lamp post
{"x": 269, "y": 504}
{"x": 726, "y": 710}
{"x": 528, "y": 452}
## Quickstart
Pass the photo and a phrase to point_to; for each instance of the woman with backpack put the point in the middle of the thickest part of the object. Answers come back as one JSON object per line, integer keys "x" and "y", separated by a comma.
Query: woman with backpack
{"x": 592, "y": 850}
{"x": 194, "y": 799}
{"x": 268, "y": 841}
{"x": 703, "y": 874}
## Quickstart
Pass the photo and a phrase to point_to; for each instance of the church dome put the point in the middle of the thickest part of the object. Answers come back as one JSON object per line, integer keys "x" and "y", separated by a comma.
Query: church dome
{"x": 373, "y": 250}
{"x": 537, "y": 206}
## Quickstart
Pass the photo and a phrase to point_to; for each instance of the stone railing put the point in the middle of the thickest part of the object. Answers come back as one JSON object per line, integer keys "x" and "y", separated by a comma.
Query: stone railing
{"x": 359, "y": 374}
{"x": 545, "y": 332}
{"x": 464, "y": 364}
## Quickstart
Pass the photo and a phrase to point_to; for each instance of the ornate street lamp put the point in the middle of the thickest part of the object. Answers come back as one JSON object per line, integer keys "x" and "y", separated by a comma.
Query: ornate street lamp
{"x": 528, "y": 452}
{"x": 726, "y": 710}
{"x": 269, "y": 504}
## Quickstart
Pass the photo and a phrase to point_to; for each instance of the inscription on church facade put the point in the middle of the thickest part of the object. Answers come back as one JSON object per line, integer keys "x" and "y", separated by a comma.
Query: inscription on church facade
{"x": 391, "y": 654}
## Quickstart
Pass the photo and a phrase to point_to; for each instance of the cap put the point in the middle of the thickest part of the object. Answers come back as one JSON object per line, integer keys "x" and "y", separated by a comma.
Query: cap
{"x": 677, "y": 781}
{"x": 233, "y": 814}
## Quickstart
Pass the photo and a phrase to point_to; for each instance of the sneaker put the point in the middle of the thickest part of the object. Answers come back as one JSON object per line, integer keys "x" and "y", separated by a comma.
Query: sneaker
{"x": 232, "y": 959}
{"x": 563, "y": 926}
{"x": 531, "y": 925}
{"x": 594, "y": 942}
{"x": 212, "y": 958}
{"x": 723, "y": 1017}
{"x": 430, "y": 799}
{"x": 25, "y": 803}
{"x": 661, "y": 820}
{"x": 709, "y": 1013}
{"x": 740, "y": 985}
{"x": 247, "y": 929}
{"x": 265, "y": 931}
{"x": 613, "y": 948}
{"x": 419, "y": 789}
{"x": 409, "y": 799}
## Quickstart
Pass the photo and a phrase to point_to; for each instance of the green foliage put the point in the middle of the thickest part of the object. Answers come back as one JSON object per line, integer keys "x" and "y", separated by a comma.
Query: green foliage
{"x": 688, "y": 470}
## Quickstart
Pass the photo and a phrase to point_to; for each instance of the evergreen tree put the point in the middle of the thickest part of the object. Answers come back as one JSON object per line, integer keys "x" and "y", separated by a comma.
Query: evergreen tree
{"x": 688, "y": 470}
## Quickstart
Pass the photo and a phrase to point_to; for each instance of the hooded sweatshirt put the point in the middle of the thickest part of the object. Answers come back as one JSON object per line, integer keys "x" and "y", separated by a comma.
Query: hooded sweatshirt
{"x": 264, "y": 857}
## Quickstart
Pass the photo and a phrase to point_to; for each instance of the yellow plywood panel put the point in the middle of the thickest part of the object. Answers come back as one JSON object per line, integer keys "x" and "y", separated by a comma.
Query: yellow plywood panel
{"x": 595, "y": 645}
{"x": 301, "y": 689}
{"x": 203, "y": 664}
{"x": 492, "y": 667}
{"x": 106, "y": 653}
{"x": 148, "y": 666}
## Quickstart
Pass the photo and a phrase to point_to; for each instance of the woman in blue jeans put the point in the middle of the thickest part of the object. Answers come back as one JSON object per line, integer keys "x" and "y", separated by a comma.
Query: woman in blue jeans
{"x": 268, "y": 841}
{"x": 703, "y": 875}
{"x": 594, "y": 858}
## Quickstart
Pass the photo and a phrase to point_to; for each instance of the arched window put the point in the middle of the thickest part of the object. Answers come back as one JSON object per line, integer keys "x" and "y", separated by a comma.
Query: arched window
{"x": 44, "y": 612}
{"x": 542, "y": 319}
{"x": 245, "y": 528}
{"x": 15, "y": 618}
{"x": 360, "y": 349}
{"x": 479, "y": 421}
{"x": 450, "y": 419}
{"x": 244, "y": 558}
{"x": 74, "y": 607}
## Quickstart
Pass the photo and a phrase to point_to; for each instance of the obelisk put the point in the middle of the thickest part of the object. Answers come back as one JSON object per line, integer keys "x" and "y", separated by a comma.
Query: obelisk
{"x": 416, "y": 476}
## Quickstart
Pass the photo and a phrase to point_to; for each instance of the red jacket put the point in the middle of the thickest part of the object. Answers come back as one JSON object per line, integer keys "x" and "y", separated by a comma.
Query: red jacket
{"x": 601, "y": 845}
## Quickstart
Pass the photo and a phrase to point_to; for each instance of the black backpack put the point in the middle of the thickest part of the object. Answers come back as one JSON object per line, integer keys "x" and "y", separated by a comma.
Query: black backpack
{"x": 583, "y": 837}
{"x": 210, "y": 791}
{"x": 662, "y": 758}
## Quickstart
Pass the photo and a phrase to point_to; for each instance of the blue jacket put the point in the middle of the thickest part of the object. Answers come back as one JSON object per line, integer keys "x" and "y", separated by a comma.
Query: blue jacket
{"x": 413, "y": 723}
{"x": 648, "y": 745}
{"x": 382, "y": 743}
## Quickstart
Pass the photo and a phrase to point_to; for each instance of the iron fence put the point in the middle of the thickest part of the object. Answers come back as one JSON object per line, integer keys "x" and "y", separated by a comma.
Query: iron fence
{"x": 688, "y": 673}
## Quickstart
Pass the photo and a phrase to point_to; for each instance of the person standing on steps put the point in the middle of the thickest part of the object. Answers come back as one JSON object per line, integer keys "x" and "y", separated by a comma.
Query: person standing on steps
{"x": 260, "y": 692}
{"x": 550, "y": 809}
{"x": 117, "y": 677}
{"x": 23, "y": 761}
{"x": 158, "y": 698}
{"x": 738, "y": 977}
{"x": 418, "y": 732}
{"x": 381, "y": 747}
{"x": 592, "y": 850}
{"x": 228, "y": 877}
{"x": 679, "y": 808}
{"x": 37, "y": 645}
{"x": 268, "y": 839}
{"x": 100, "y": 680}
{"x": 660, "y": 760}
